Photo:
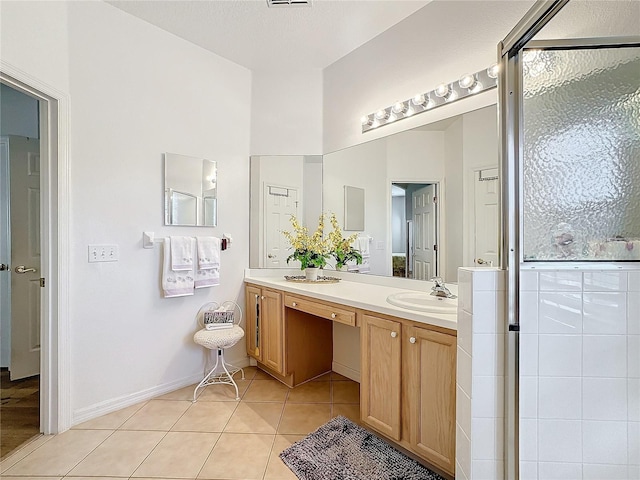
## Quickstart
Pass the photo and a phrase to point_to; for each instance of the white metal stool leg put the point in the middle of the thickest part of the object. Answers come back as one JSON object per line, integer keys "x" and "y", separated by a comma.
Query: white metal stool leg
{"x": 216, "y": 378}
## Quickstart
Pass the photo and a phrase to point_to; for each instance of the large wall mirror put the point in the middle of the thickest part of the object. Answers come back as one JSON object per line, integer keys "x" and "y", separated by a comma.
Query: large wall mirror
{"x": 431, "y": 198}
{"x": 190, "y": 191}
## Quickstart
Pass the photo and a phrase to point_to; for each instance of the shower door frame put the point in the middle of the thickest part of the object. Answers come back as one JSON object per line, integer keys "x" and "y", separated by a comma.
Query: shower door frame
{"x": 510, "y": 132}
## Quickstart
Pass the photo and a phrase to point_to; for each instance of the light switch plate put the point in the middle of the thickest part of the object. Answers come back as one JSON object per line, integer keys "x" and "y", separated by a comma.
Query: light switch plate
{"x": 103, "y": 253}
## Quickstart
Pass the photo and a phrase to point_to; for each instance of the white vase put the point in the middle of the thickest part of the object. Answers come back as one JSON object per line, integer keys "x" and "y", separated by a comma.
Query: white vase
{"x": 311, "y": 273}
{"x": 343, "y": 268}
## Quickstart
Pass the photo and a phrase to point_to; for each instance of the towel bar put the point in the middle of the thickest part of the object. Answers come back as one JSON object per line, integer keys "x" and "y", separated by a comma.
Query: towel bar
{"x": 149, "y": 240}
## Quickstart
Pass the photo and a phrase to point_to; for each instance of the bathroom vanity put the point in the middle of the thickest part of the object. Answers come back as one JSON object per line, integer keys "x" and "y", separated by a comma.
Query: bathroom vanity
{"x": 408, "y": 358}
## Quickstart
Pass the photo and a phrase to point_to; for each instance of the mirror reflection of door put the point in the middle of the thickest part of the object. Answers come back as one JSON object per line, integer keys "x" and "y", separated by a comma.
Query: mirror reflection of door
{"x": 280, "y": 204}
{"x": 486, "y": 217}
{"x": 414, "y": 230}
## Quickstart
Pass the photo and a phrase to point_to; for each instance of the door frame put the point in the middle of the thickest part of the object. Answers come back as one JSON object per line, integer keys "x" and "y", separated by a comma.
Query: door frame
{"x": 265, "y": 195}
{"x": 55, "y": 391}
{"x": 469, "y": 213}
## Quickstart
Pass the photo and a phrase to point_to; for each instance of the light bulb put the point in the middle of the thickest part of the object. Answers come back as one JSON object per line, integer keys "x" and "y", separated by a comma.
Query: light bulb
{"x": 468, "y": 81}
{"x": 418, "y": 100}
{"x": 442, "y": 90}
{"x": 382, "y": 114}
{"x": 493, "y": 70}
{"x": 451, "y": 96}
{"x": 366, "y": 120}
{"x": 476, "y": 88}
{"x": 399, "y": 107}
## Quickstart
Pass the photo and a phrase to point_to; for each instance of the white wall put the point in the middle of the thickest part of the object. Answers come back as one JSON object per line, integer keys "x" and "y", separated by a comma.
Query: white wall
{"x": 18, "y": 113}
{"x": 453, "y": 240}
{"x": 286, "y": 112}
{"x": 135, "y": 92}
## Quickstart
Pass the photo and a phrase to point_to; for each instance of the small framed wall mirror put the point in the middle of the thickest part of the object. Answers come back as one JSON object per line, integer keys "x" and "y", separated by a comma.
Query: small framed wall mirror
{"x": 190, "y": 191}
{"x": 353, "y": 209}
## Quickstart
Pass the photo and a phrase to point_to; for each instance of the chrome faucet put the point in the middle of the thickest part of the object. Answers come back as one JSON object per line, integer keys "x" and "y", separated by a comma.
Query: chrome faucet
{"x": 439, "y": 289}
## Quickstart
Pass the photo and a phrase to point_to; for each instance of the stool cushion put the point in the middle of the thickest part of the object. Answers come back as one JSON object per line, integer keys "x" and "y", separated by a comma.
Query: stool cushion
{"x": 222, "y": 338}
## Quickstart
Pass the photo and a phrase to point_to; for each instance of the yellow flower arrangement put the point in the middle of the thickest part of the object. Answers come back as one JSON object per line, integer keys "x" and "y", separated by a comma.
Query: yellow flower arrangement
{"x": 311, "y": 250}
{"x": 341, "y": 249}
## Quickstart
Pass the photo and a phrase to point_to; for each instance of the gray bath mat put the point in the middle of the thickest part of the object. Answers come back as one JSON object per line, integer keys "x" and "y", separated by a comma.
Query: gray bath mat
{"x": 342, "y": 450}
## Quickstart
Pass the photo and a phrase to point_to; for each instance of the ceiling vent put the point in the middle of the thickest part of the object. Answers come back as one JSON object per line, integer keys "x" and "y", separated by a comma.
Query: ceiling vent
{"x": 289, "y": 3}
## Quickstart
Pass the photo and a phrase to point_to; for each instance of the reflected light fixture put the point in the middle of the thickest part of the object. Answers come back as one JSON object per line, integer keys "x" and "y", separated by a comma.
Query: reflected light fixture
{"x": 443, "y": 94}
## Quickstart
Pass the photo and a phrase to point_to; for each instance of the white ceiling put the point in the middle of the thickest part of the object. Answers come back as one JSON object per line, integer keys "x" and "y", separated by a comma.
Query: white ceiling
{"x": 251, "y": 34}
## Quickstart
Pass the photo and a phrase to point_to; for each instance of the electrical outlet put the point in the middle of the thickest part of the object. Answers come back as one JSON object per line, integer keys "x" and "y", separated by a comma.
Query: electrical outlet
{"x": 103, "y": 253}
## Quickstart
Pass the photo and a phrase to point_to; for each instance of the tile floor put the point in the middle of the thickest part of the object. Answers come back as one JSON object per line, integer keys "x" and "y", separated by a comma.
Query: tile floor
{"x": 171, "y": 437}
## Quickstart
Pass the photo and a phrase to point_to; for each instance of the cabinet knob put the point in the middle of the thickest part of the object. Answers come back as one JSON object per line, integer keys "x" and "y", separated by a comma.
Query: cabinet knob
{"x": 262, "y": 297}
{"x": 294, "y": 304}
{"x": 412, "y": 339}
{"x": 333, "y": 315}
{"x": 394, "y": 334}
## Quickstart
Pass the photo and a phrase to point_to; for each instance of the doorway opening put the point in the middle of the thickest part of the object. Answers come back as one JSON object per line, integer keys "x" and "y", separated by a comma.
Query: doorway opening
{"x": 414, "y": 230}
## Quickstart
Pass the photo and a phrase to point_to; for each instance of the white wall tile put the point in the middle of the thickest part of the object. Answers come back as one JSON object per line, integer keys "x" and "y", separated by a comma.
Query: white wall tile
{"x": 486, "y": 350}
{"x": 487, "y": 470}
{"x": 604, "y": 442}
{"x": 605, "y": 281}
{"x": 463, "y": 411}
{"x": 528, "y": 470}
{"x": 560, "y": 313}
{"x": 604, "y": 398}
{"x": 528, "y": 312}
{"x": 528, "y": 281}
{"x": 605, "y": 313}
{"x": 633, "y": 399}
{"x": 560, "y": 471}
{"x": 485, "y": 280}
{"x": 460, "y": 475}
{"x": 559, "y": 441}
{"x": 560, "y": 281}
{"x": 464, "y": 330}
{"x": 483, "y": 439}
{"x": 465, "y": 297}
{"x": 633, "y": 313}
{"x": 633, "y": 356}
{"x": 634, "y": 443}
{"x": 528, "y": 397}
{"x": 560, "y": 398}
{"x": 634, "y": 282}
{"x": 604, "y": 356}
{"x": 560, "y": 355}
{"x": 634, "y": 472}
{"x": 463, "y": 452}
{"x": 487, "y": 397}
{"x": 528, "y": 354}
{"x": 592, "y": 471}
{"x": 464, "y": 371}
{"x": 528, "y": 440}
{"x": 485, "y": 312}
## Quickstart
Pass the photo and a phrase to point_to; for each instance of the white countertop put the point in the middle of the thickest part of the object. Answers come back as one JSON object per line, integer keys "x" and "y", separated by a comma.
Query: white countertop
{"x": 366, "y": 294}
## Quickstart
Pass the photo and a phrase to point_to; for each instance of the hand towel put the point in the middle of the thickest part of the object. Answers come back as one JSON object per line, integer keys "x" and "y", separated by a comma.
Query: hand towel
{"x": 182, "y": 253}
{"x": 362, "y": 244}
{"x": 175, "y": 284}
{"x": 208, "y": 252}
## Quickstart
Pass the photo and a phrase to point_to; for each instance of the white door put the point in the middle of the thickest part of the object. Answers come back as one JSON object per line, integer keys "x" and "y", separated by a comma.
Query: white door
{"x": 280, "y": 204}
{"x": 24, "y": 160}
{"x": 486, "y": 218}
{"x": 424, "y": 233}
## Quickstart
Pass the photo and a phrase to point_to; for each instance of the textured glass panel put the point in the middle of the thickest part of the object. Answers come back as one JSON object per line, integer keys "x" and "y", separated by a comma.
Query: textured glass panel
{"x": 581, "y": 171}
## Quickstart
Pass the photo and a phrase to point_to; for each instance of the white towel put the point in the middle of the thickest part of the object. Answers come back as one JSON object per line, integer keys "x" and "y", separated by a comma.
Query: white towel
{"x": 362, "y": 244}
{"x": 175, "y": 284}
{"x": 182, "y": 253}
{"x": 208, "y": 252}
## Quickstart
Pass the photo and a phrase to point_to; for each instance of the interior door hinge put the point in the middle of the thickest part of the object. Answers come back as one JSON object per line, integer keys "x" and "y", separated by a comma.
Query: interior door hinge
{"x": 435, "y": 248}
{"x": 42, "y": 282}
{"x": 435, "y": 199}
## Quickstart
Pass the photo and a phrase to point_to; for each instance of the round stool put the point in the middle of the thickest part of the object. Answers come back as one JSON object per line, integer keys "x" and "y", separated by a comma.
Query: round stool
{"x": 219, "y": 340}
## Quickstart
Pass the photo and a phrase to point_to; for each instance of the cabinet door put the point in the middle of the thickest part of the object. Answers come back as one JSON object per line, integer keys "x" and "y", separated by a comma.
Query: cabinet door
{"x": 272, "y": 330}
{"x": 252, "y": 327}
{"x": 432, "y": 395}
{"x": 380, "y": 378}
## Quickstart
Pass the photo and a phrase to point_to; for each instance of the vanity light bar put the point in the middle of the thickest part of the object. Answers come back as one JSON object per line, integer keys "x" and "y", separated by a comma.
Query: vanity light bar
{"x": 443, "y": 94}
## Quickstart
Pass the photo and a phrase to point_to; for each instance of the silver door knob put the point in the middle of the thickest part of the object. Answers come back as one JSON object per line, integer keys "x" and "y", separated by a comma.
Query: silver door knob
{"x": 23, "y": 269}
{"x": 394, "y": 334}
{"x": 271, "y": 256}
{"x": 412, "y": 340}
{"x": 480, "y": 261}
{"x": 3, "y": 267}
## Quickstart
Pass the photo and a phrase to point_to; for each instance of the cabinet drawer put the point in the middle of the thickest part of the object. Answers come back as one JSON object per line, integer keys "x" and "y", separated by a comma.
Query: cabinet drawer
{"x": 328, "y": 311}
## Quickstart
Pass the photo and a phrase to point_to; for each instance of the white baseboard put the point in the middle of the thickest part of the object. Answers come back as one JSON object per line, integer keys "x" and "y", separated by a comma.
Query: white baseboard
{"x": 348, "y": 372}
{"x": 102, "y": 408}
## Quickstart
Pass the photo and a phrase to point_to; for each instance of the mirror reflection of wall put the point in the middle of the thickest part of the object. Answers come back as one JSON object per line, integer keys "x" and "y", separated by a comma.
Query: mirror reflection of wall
{"x": 190, "y": 191}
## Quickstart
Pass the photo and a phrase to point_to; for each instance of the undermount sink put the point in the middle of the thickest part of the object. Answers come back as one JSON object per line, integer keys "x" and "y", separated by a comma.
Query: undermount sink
{"x": 424, "y": 302}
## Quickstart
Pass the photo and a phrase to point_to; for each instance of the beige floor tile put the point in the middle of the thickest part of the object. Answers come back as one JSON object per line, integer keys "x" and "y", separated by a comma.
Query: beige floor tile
{"x": 110, "y": 421}
{"x": 4, "y": 477}
{"x": 157, "y": 415}
{"x": 178, "y": 455}
{"x": 266, "y": 391}
{"x": 119, "y": 455}
{"x": 60, "y": 454}
{"x": 238, "y": 456}
{"x": 249, "y": 372}
{"x": 223, "y": 393}
{"x": 346, "y": 392}
{"x": 255, "y": 418}
{"x": 336, "y": 377}
{"x": 23, "y": 451}
{"x": 303, "y": 418}
{"x": 185, "y": 393}
{"x": 68, "y": 477}
{"x": 311, "y": 392}
{"x": 276, "y": 469}
{"x": 323, "y": 378}
{"x": 205, "y": 417}
{"x": 262, "y": 375}
{"x": 351, "y": 411}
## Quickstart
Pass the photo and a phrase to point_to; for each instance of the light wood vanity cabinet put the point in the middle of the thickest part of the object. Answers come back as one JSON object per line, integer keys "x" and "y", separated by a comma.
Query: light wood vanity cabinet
{"x": 265, "y": 327}
{"x": 407, "y": 389}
